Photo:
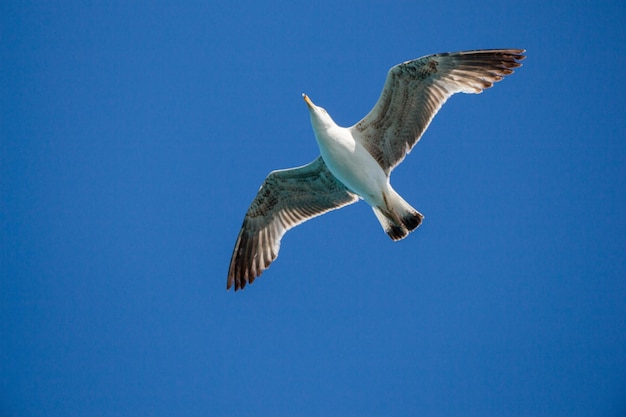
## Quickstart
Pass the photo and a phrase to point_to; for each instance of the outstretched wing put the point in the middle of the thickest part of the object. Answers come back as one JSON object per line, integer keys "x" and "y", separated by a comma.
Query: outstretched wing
{"x": 415, "y": 90}
{"x": 287, "y": 198}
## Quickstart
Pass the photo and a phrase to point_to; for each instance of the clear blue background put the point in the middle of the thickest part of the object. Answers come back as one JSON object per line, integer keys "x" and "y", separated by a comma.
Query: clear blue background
{"x": 134, "y": 136}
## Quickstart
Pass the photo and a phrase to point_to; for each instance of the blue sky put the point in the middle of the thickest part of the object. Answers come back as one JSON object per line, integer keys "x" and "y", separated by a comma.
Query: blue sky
{"x": 134, "y": 137}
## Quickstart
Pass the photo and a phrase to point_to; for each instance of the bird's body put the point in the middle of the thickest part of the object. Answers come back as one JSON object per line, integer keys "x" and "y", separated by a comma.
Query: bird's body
{"x": 356, "y": 162}
{"x": 347, "y": 159}
{"x": 354, "y": 166}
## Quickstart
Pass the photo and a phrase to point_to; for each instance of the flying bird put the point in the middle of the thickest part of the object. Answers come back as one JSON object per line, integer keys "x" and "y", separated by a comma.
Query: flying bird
{"x": 356, "y": 162}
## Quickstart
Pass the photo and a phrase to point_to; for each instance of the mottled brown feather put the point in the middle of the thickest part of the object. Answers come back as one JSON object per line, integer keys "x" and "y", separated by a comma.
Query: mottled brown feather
{"x": 415, "y": 91}
{"x": 286, "y": 198}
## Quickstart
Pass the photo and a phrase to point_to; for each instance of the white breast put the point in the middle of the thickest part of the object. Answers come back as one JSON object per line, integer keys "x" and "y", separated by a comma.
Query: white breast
{"x": 352, "y": 164}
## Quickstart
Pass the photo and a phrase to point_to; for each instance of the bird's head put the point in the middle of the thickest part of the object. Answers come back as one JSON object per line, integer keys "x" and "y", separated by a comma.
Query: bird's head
{"x": 320, "y": 119}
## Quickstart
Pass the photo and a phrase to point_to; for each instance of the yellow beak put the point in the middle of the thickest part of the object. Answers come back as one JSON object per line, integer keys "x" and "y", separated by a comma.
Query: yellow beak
{"x": 308, "y": 100}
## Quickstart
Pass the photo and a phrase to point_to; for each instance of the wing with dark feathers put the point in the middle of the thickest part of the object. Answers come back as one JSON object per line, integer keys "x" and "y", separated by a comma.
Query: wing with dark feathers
{"x": 287, "y": 198}
{"x": 415, "y": 90}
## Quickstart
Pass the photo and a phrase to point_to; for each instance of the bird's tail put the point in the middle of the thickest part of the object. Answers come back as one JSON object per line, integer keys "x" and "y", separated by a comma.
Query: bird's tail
{"x": 398, "y": 218}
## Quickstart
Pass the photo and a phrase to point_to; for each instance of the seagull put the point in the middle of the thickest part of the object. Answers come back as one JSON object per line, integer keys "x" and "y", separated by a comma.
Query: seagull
{"x": 356, "y": 162}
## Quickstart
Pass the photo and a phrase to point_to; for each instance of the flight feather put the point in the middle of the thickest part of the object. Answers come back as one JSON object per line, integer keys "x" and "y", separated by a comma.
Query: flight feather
{"x": 414, "y": 91}
{"x": 287, "y": 198}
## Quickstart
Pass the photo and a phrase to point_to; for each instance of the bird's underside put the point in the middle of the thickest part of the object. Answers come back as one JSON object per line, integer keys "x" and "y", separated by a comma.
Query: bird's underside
{"x": 413, "y": 93}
